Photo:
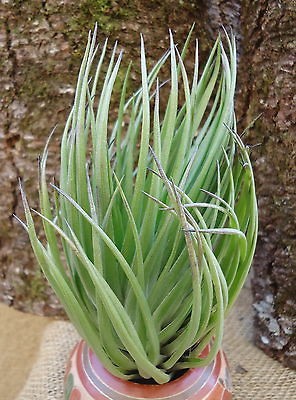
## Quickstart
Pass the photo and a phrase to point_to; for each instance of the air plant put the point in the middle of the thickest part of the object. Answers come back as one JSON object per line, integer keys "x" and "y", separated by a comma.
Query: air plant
{"x": 151, "y": 230}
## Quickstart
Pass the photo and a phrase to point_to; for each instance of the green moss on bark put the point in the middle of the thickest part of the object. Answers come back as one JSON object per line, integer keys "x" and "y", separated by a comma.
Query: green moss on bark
{"x": 106, "y": 13}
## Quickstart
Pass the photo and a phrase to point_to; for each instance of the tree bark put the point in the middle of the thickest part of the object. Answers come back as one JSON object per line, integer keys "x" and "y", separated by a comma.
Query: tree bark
{"x": 268, "y": 85}
{"x": 41, "y": 44}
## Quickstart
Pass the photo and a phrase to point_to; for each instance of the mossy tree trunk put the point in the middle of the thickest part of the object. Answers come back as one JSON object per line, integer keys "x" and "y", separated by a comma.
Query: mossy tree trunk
{"x": 41, "y": 44}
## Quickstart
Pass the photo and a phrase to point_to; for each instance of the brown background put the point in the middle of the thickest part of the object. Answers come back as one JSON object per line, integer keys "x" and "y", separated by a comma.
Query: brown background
{"x": 41, "y": 44}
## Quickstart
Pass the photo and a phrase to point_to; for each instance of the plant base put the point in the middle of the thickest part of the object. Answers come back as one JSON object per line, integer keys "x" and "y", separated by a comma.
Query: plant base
{"x": 87, "y": 379}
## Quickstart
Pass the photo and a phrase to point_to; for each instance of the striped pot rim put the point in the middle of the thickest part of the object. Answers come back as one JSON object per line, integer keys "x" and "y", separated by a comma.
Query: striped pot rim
{"x": 91, "y": 381}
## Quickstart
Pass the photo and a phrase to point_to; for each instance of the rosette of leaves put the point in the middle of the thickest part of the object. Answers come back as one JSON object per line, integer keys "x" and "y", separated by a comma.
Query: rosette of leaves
{"x": 151, "y": 230}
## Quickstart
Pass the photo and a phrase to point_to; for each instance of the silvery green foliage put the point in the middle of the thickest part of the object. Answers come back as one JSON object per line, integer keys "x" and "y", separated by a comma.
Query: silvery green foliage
{"x": 157, "y": 241}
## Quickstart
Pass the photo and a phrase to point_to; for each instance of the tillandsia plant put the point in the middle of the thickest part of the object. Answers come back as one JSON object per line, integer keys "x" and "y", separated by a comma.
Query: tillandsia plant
{"x": 152, "y": 229}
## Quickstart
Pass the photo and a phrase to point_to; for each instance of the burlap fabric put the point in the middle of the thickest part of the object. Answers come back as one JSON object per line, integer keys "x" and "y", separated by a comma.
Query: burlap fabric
{"x": 255, "y": 376}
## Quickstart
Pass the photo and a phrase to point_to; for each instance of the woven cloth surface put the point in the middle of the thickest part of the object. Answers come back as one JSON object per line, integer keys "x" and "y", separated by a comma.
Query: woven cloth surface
{"x": 254, "y": 375}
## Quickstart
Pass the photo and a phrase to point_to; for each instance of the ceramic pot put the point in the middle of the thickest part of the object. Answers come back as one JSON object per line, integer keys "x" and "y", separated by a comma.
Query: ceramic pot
{"x": 87, "y": 379}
